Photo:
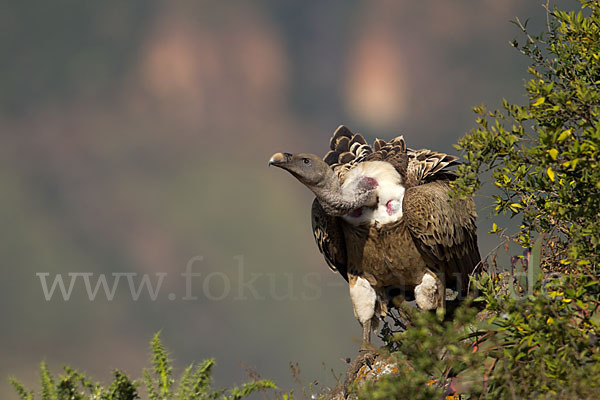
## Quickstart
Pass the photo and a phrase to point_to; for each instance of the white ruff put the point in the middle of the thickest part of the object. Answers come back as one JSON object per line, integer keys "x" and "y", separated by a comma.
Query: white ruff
{"x": 390, "y": 189}
{"x": 363, "y": 299}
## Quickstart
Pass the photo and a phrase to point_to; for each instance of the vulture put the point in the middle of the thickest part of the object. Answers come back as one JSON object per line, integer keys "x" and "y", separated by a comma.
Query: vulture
{"x": 383, "y": 218}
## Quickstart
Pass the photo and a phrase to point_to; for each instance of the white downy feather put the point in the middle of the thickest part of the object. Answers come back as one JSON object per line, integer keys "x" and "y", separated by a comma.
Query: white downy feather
{"x": 390, "y": 193}
{"x": 363, "y": 299}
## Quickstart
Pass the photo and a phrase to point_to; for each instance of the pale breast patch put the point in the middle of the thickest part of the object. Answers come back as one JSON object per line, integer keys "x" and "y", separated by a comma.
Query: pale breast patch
{"x": 390, "y": 193}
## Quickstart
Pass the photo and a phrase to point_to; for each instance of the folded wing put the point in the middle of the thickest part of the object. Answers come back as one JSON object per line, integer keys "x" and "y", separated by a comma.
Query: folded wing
{"x": 443, "y": 231}
{"x": 330, "y": 239}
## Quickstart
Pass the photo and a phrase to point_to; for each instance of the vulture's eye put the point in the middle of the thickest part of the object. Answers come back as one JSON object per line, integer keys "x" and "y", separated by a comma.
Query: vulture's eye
{"x": 306, "y": 161}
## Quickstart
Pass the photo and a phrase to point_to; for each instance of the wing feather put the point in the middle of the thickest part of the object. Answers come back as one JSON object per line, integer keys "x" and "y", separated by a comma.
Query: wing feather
{"x": 444, "y": 231}
{"x": 426, "y": 166}
{"x": 393, "y": 152}
{"x": 340, "y": 133}
{"x": 346, "y": 150}
{"x": 378, "y": 144}
{"x": 330, "y": 239}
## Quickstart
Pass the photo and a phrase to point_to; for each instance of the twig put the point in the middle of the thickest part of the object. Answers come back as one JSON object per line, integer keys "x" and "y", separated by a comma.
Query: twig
{"x": 547, "y": 7}
{"x": 524, "y": 30}
{"x": 480, "y": 263}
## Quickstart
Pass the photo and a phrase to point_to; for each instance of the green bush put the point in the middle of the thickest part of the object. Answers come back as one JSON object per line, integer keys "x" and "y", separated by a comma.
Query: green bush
{"x": 194, "y": 383}
{"x": 543, "y": 345}
{"x": 544, "y": 156}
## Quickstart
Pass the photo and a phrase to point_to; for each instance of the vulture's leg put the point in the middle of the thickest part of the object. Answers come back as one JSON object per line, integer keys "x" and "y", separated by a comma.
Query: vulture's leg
{"x": 366, "y": 334}
{"x": 442, "y": 291}
{"x": 363, "y": 300}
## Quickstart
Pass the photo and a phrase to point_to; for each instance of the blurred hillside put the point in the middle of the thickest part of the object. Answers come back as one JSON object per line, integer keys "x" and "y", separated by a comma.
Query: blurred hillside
{"x": 135, "y": 136}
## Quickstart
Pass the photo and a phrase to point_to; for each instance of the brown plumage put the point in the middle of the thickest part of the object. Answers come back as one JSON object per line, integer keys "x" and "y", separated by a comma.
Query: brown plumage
{"x": 382, "y": 218}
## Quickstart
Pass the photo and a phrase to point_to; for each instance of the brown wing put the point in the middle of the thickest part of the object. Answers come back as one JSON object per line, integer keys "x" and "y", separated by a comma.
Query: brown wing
{"x": 444, "y": 231}
{"x": 426, "y": 166}
{"x": 330, "y": 239}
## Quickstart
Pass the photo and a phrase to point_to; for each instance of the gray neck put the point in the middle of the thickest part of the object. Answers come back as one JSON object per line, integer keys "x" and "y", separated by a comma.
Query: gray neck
{"x": 338, "y": 202}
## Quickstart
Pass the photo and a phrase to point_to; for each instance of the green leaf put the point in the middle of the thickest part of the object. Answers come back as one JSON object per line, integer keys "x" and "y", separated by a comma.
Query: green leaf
{"x": 539, "y": 101}
{"x": 534, "y": 268}
{"x": 494, "y": 228}
{"x": 515, "y": 207}
{"x": 565, "y": 134}
{"x": 550, "y": 173}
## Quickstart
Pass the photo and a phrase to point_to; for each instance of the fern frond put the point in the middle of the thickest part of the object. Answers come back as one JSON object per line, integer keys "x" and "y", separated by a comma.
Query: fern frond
{"x": 185, "y": 387}
{"x": 21, "y": 390}
{"x": 48, "y": 386}
{"x": 121, "y": 388}
{"x": 202, "y": 377}
{"x": 249, "y": 388}
{"x": 161, "y": 366}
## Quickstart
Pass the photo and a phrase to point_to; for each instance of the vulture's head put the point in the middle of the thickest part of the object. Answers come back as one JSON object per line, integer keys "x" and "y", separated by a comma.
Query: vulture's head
{"x": 318, "y": 176}
{"x": 309, "y": 169}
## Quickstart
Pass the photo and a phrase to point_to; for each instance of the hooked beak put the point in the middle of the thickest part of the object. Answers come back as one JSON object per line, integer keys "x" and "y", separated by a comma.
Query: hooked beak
{"x": 279, "y": 158}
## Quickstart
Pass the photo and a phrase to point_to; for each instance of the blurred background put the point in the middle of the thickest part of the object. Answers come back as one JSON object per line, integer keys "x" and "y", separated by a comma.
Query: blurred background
{"x": 135, "y": 137}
